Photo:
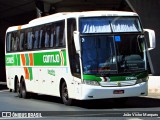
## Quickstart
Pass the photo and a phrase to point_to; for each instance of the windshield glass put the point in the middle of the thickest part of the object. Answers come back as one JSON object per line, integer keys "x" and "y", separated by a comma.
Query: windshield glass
{"x": 131, "y": 55}
{"x": 96, "y": 51}
{"x": 112, "y": 54}
{"x": 109, "y": 24}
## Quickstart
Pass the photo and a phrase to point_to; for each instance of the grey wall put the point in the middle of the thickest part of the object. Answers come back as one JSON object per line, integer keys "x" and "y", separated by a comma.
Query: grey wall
{"x": 3, "y": 27}
{"x": 4, "y": 24}
{"x": 149, "y": 11}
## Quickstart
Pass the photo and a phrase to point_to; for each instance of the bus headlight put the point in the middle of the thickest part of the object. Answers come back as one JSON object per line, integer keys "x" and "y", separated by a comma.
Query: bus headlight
{"x": 142, "y": 80}
{"x": 91, "y": 82}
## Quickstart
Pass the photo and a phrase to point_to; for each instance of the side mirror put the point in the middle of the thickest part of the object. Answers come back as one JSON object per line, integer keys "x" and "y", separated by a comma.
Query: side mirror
{"x": 150, "y": 37}
{"x": 76, "y": 40}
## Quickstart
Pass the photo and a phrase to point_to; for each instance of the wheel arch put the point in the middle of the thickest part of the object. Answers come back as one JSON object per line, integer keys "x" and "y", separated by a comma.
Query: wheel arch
{"x": 22, "y": 81}
{"x": 15, "y": 83}
{"x": 62, "y": 80}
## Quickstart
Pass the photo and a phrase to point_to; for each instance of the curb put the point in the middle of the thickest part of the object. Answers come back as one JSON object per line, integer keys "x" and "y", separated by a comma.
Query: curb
{"x": 154, "y": 85}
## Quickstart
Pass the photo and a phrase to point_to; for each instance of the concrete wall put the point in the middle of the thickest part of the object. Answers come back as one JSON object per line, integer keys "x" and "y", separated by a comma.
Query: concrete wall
{"x": 149, "y": 11}
{"x": 4, "y": 24}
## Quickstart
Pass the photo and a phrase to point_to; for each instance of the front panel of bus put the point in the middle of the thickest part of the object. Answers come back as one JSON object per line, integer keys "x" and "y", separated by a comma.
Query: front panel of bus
{"x": 113, "y": 52}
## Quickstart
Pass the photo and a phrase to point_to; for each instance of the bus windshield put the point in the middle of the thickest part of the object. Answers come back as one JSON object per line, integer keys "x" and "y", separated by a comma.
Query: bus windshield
{"x": 110, "y": 54}
{"x": 109, "y": 24}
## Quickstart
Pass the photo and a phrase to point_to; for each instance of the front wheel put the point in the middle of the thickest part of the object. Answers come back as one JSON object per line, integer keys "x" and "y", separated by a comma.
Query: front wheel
{"x": 64, "y": 94}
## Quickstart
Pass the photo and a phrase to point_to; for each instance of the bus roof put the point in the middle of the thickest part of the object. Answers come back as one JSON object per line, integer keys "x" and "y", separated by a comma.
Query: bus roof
{"x": 64, "y": 15}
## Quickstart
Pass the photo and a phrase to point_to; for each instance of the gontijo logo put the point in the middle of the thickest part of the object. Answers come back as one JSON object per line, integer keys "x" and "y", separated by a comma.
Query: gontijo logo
{"x": 51, "y": 58}
{"x": 131, "y": 78}
{"x": 55, "y": 58}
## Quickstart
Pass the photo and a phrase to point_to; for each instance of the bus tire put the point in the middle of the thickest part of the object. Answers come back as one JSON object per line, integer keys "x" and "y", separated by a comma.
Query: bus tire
{"x": 15, "y": 84}
{"x": 23, "y": 90}
{"x": 18, "y": 89}
{"x": 64, "y": 94}
{"x": 10, "y": 90}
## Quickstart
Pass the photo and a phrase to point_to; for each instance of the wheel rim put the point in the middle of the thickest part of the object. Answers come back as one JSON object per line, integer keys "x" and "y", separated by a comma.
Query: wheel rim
{"x": 65, "y": 92}
{"x": 18, "y": 89}
{"x": 23, "y": 91}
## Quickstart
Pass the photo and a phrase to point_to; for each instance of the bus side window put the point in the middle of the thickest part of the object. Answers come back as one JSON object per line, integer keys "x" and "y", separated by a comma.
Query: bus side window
{"x": 73, "y": 56}
{"x": 47, "y": 36}
{"x": 52, "y": 36}
{"x": 57, "y": 35}
{"x": 15, "y": 41}
{"x": 21, "y": 41}
{"x": 18, "y": 40}
{"x": 25, "y": 39}
{"x": 8, "y": 42}
{"x": 36, "y": 38}
{"x": 12, "y": 41}
{"x": 42, "y": 37}
{"x": 62, "y": 34}
{"x": 30, "y": 37}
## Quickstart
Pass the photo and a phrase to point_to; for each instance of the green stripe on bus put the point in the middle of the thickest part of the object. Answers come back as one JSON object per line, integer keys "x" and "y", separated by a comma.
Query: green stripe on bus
{"x": 27, "y": 59}
{"x": 118, "y": 78}
{"x": 49, "y": 59}
{"x": 40, "y": 59}
{"x": 12, "y": 60}
{"x": 129, "y": 77}
{"x": 91, "y": 77}
{"x": 30, "y": 73}
{"x": 18, "y": 60}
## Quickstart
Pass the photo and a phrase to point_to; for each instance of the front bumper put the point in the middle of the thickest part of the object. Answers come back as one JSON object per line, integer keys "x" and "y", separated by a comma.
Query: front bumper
{"x": 89, "y": 92}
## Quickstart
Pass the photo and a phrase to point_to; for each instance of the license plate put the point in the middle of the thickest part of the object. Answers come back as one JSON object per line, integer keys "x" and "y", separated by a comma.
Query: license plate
{"x": 118, "y": 92}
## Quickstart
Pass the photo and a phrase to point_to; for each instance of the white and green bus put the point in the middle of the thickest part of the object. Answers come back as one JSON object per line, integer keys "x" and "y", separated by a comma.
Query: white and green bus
{"x": 79, "y": 55}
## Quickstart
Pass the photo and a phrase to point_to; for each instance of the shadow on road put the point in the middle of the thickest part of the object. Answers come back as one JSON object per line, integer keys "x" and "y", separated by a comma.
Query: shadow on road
{"x": 133, "y": 102}
{"x": 2, "y": 87}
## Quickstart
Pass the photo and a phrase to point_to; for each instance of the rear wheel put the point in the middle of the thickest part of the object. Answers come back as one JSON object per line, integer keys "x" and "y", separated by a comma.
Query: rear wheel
{"x": 23, "y": 91}
{"x": 18, "y": 89}
{"x": 15, "y": 86}
{"x": 64, "y": 94}
{"x": 10, "y": 90}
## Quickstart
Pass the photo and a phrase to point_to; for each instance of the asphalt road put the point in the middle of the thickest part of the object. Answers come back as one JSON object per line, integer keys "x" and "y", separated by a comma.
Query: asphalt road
{"x": 99, "y": 109}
